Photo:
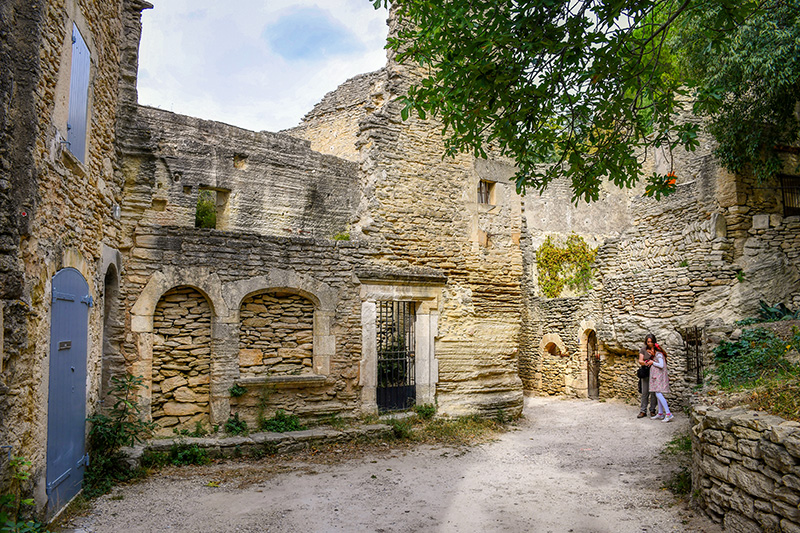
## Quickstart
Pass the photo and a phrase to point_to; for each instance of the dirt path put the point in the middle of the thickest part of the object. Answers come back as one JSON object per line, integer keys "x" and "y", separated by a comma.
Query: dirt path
{"x": 570, "y": 466}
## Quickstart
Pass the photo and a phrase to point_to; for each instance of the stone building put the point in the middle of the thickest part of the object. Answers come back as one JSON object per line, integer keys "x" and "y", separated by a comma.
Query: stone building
{"x": 347, "y": 268}
{"x": 59, "y": 198}
{"x": 685, "y": 268}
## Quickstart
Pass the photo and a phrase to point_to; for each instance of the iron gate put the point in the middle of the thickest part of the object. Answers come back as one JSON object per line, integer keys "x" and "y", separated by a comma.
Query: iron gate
{"x": 692, "y": 343}
{"x": 593, "y": 366}
{"x": 66, "y": 407}
{"x": 395, "y": 342}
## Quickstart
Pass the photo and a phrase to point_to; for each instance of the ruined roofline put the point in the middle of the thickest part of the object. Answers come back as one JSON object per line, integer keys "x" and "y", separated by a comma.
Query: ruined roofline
{"x": 350, "y": 93}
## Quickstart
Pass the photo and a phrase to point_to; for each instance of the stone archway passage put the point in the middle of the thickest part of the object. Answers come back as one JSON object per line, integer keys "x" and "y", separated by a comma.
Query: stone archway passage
{"x": 181, "y": 360}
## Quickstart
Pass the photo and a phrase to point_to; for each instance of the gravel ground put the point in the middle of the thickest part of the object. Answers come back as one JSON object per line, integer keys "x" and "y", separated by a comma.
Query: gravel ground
{"x": 569, "y": 466}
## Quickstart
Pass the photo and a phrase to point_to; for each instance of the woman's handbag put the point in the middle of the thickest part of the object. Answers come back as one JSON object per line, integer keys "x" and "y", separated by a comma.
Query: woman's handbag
{"x": 643, "y": 372}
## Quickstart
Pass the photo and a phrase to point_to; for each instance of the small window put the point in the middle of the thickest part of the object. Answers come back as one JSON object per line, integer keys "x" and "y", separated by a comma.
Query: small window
{"x": 790, "y": 185}
{"x": 211, "y": 209}
{"x": 206, "y": 214}
{"x": 78, "y": 96}
{"x": 486, "y": 192}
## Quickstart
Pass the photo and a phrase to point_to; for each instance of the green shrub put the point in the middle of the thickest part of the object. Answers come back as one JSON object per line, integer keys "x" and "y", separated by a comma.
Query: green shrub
{"x": 568, "y": 266}
{"x": 206, "y": 214}
{"x": 183, "y": 454}
{"x": 236, "y": 426}
{"x": 758, "y": 353}
{"x": 402, "y": 429}
{"x": 771, "y": 313}
{"x": 680, "y": 482}
{"x": 281, "y": 423}
{"x": 12, "y": 506}
{"x": 123, "y": 426}
{"x": 425, "y": 411}
{"x": 237, "y": 390}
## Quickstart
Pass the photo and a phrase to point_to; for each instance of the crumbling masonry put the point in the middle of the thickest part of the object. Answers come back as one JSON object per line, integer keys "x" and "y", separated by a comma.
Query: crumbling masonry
{"x": 333, "y": 242}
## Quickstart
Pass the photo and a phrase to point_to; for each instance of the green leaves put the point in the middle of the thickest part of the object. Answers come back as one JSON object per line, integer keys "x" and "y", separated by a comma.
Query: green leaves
{"x": 575, "y": 89}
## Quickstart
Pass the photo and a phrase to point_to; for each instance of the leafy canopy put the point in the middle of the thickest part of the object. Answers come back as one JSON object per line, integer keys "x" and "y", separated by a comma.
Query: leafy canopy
{"x": 585, "y": 89}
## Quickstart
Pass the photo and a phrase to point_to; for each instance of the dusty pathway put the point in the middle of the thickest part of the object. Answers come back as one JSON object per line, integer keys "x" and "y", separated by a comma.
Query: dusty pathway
{"x": 571, "y": 466}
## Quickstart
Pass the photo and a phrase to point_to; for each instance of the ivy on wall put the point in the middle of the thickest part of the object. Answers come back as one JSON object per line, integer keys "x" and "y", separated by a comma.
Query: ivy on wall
{"x": 567, "y": 266}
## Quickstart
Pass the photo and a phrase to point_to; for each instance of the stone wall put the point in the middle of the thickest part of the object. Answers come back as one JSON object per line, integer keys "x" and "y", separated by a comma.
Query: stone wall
{"x": 181, "y": 360}
{"x": 276, "y": 335}
{"x": 703, "y": 256}
{"x": 333, "y": 126}
{"x": 746, "y": 469}
{"x": 422, "y": 211}
{"x": 265, "y": 183}
{"x": 56, "y": 211}
{"x": 229, "y": 269}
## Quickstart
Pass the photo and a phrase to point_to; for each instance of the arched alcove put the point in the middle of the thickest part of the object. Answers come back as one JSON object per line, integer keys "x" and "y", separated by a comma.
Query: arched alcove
{"x": 181, "y": 360}
{"x": 113, "y": 362}
{"x": 276, "y": 335}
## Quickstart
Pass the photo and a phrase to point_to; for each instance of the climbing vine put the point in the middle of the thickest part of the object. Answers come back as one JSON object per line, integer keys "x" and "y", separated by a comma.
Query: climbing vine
{"x": 567, "y": 266}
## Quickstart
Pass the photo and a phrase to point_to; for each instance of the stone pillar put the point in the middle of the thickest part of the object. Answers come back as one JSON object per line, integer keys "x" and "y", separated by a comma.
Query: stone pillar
{"x": 369, "y": 358}
{"x": 224, "y": 366}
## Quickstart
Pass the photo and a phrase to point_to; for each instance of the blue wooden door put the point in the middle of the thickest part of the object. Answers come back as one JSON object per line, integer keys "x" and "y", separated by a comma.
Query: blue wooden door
{"x": 66, "y": 408}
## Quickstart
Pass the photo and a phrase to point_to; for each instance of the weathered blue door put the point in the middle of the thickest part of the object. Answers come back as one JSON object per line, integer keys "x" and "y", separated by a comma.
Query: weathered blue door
{"x": 66, "y": 408}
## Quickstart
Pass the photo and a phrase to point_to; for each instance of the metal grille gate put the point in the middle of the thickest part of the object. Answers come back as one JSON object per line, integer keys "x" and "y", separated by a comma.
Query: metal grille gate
{"x": 395, "y": 342}
{"x": 692, "y": 342}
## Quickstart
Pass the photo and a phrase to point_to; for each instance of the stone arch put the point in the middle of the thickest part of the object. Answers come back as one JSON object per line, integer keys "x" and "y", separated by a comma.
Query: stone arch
{"x": 323, "y": 297}
{"x": 181, "y": 364}
{"x": 552, "y": 344}
{"x": 200, "y": 278}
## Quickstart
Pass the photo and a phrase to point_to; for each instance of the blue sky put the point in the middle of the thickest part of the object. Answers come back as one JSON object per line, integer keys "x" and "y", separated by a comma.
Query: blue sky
{"x": 258, "y": 64}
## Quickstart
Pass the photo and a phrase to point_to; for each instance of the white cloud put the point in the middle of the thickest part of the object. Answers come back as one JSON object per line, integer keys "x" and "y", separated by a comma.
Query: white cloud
{"x": 211, "y": 59}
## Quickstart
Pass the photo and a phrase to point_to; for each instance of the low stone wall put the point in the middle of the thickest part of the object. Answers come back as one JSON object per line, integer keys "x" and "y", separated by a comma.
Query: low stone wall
{"x": 746, "y": 469}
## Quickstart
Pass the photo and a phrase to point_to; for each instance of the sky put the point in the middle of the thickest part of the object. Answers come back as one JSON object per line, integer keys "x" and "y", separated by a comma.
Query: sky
{"x": 257, "y": 64}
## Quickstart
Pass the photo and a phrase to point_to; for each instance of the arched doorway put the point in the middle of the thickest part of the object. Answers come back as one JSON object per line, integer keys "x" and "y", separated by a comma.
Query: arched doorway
{"x": 113, "y": 330}
{"x": 593, "y": 366}
{"x": 66, "y": 405}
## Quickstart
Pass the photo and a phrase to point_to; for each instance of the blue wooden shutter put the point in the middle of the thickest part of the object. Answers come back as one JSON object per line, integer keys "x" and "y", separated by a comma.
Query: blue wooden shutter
{"x": 78, "y": 96}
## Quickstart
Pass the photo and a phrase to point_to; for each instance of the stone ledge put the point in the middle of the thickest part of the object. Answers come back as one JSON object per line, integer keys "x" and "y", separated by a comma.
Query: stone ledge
{"x": 262, "y": 442}
{"x": 304, "y": 380}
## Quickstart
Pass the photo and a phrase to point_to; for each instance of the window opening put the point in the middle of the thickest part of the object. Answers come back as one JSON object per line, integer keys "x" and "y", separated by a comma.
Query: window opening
{"x": 206, "y": 214}
{"x": 396, "y": 388}
{"x": 486, "y": 192}
{"x": 692, "y": 343}
{"x": 790, "y": 185}
{"x": 78, "y": 96}
{"x": 211, "y": 208}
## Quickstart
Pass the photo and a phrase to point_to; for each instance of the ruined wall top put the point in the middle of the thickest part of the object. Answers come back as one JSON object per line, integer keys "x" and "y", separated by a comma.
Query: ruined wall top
{"x": 264, "y": 183}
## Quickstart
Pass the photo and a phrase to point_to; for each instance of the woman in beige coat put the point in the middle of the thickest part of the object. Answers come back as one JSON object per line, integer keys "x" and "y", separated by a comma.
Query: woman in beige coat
{"x": 659, "y": 377}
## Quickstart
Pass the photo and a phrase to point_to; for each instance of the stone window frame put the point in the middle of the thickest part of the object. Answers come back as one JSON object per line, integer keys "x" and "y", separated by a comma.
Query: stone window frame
{"x": 60, "y": 115}
{"x": 225, "y": 299}
{"x": 426, "y": 295}
{"x": 487, "y": 195}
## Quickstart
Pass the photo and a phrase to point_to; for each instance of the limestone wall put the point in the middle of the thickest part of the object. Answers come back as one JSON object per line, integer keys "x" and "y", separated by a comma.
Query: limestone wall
{"x": 746, "y": 469}
{"x": 276, "y": 335}
{"x": 263, "y": 294}
{"x": 265, "y": 183}
{"x": 56, "y": 211}
{"x": 333, "y": 125}
{"x": 703, "y": 257}
{"x": 422, "y": 210}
